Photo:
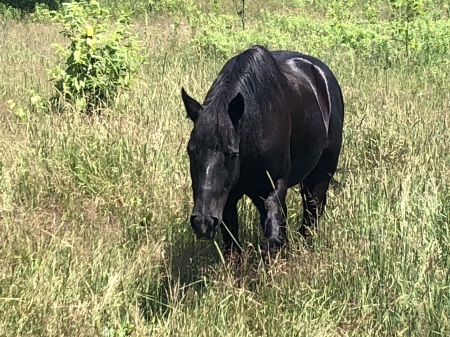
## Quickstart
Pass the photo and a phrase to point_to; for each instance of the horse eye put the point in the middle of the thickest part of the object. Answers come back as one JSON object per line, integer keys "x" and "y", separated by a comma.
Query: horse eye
{"x": 190, "y": 149}
{"x": 232, "y": 155}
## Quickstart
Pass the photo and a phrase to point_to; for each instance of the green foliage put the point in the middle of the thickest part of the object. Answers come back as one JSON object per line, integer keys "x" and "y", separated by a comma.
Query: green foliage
{"x": 95, "y": 211}
{"x": 8, "y": 12}
{"x": 341, "y": 10}
{"x": 17, "y": 111}
{"x": 139, "y": 7}
{"x": 403, "y": 14}
{"x": 42, "y": 13}
{"x": 121, "y": 331}
{"x": 28, "y": 6}
{"x": 408, "y": 10}
{"x": 20, "y": 8}
{"x": 222, "y": 35}
{"x": 407, "y": 33}
{"x": 213, "y": 34}
{"x": 101, "y": 59}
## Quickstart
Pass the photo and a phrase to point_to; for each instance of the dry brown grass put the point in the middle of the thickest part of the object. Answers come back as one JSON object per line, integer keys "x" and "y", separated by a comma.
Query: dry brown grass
{"x": 93, "y": 211}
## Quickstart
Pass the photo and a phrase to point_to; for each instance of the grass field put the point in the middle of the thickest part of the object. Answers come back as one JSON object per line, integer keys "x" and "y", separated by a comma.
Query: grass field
{"x": 94, "y": 231}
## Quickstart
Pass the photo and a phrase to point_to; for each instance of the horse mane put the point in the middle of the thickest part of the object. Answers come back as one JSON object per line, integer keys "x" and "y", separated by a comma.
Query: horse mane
{"x": 256, "y": 76}
{"x": 253, "y": 73}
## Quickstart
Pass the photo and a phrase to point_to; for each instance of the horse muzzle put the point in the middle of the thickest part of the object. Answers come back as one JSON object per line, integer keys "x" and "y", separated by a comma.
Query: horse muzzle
{"x": 205, "y": 226}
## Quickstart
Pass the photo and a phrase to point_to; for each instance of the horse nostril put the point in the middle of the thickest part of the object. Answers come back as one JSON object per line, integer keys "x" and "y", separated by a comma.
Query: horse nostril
{"x": 201, "y": 224}
{"x": 216, "y": 222}
{"x": 205, "y": 226}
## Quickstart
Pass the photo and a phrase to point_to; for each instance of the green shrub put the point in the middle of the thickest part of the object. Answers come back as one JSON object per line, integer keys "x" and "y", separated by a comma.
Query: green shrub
{"x": 138, "y": 7}
{"x": 101, "y": 60}
{"x": 418, "y": 38}
{"x": 42, "y": 13}
{"x": 213, "y": 34}
{"x": 222, "y": 35}
{"x": 8, "y": 12}
{"x": 28, "y": 6}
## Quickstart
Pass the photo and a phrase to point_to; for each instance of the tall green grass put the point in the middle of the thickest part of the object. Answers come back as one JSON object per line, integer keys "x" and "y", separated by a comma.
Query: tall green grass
{"x": 94, "y": 231}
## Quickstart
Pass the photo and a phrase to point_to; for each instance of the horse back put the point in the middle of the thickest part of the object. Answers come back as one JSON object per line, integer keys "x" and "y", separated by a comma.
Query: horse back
{"x": 316, "y": 110}
{"x": 311, "y": 76}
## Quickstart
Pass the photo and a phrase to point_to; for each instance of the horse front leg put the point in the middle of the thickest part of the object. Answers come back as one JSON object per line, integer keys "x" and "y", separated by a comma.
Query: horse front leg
{"x": 273, "y": 213}
{"x": 230, "y": 226}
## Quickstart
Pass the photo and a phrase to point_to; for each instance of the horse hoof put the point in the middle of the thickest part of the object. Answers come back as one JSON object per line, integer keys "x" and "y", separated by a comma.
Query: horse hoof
{"x": 272, "y": 244}
{"x": 227, "y": 251}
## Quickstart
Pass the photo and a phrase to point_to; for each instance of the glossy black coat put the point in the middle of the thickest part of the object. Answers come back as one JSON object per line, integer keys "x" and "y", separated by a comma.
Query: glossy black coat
{"x": 270, "y": 120}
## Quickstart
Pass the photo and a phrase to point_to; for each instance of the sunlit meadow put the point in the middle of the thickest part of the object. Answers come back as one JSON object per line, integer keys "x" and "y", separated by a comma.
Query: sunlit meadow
{"x": 94, "y": 231}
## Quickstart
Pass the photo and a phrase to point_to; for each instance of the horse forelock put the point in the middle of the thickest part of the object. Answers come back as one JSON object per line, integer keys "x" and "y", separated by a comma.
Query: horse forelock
{"x": 213, "y": 128}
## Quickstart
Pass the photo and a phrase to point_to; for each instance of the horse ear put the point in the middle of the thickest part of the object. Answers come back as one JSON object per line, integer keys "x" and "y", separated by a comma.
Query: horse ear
{"x": 192, "y": 106}
{"x": 236, "y": 108}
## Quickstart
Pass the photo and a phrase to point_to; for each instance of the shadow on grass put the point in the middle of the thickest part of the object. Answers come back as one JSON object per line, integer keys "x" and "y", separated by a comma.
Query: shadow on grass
{"x": 184, "y": 276}
{"x": 193, "y": 266}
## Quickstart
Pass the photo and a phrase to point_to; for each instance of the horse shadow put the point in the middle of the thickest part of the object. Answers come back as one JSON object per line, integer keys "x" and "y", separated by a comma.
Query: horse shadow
{"x": 192, "y": 266}
{"x": 187, "y": 269}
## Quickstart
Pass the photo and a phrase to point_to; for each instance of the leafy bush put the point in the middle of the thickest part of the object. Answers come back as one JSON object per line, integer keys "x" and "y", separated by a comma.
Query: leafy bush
{"x": 29, "y": 6}
{"x": 136, "y": 7}
{"x": 43, "y": 14}
{"x": 408, "y": 33}
{"x": 101, "y": 60}
{"x": 222, "y": 35}
{"x": 8, "y": 12}
{"x": 149, "y": 6}
{"x": 213, "y": 34}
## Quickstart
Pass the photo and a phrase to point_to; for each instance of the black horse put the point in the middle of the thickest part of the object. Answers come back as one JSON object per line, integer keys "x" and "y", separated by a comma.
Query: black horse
{"x": 271, "y": 120}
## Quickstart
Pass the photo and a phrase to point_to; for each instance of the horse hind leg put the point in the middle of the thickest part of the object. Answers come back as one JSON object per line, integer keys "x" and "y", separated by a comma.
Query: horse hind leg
{"x": 314, "y": 191}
